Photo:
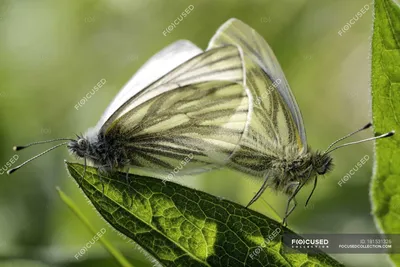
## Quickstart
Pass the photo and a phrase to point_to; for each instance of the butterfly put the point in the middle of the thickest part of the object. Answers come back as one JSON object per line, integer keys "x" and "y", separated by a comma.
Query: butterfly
{"x": 274, "y": 149}
{"x": 183, "y": 101}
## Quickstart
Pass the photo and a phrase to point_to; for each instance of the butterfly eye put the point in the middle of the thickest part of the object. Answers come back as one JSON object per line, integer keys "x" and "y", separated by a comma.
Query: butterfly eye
{"x": 82, "y": 143}
{"x": 325, "y": 165}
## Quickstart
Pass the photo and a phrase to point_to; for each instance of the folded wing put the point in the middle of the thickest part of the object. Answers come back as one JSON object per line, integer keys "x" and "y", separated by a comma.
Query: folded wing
{"x": 157, "y": 66}
{"x": 199, "y": 110}
{"x": 202, "y": 122}
{"x": 276, "y": 121}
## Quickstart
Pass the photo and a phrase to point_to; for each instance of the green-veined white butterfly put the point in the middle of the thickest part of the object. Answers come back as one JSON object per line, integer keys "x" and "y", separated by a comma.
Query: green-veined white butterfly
{"x": 274, "y": 149}
{"x": 199, "y": 106}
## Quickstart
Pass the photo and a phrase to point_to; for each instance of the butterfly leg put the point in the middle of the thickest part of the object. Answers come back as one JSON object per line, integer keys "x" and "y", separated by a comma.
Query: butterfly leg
{"x": 284, "y": 222}
{"x": 260, "y": 191}
{"x": 298, "y": 187}
{"x": 292, "y": 197}
{"x": 312, "y": 191}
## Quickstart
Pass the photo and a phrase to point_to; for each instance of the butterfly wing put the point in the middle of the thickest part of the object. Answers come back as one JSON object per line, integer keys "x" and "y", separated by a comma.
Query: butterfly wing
{"x": 201, "y": 122}
{"x": 157, "y": 66}
{"x": 201, "y": 108}
{"x": 223, "y": 64}
{"x": 276, "y": 120}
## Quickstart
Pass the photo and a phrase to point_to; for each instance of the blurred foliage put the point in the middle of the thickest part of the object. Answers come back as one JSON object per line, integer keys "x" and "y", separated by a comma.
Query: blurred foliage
{"x": 385, "y": 91}
{"x": 52, "y": 53}
{"x": 97, "y": 236}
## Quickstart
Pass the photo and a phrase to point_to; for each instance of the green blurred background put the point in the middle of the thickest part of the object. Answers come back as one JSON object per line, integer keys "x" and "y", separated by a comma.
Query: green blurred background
{"x": 53, "y": 52}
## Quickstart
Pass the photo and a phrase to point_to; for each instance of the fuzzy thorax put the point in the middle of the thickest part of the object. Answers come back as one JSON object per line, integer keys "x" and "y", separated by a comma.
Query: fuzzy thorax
{"x": 293, "y": 167}
{"x": 105, "y": 154}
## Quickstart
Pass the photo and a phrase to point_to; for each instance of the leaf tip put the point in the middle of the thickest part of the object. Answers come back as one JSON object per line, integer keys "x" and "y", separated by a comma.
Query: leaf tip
{"x": 60, "y": 193}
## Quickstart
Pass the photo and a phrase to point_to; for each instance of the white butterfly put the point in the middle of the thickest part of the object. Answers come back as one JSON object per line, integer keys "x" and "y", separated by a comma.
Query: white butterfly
{"x": 182, "y": 102}
{"x": 274, "y": 149}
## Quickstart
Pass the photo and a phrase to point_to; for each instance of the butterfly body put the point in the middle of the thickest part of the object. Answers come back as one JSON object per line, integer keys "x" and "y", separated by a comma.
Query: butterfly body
{"x": 296, "y": 168}
{"x": 105, "y": 153}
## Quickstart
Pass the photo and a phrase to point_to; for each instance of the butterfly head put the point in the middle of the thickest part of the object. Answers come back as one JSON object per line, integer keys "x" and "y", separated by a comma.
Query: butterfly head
{"x": 322, "y": 163}
{"x": 79, "y": 147}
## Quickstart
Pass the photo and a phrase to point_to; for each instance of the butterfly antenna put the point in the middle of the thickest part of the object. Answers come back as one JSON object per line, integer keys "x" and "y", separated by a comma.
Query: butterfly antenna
{"x": 16, "y": 148}
{"x": 350, "y": 134}
{"x": 35, "y": 157}
{"x": 362, "y": 141}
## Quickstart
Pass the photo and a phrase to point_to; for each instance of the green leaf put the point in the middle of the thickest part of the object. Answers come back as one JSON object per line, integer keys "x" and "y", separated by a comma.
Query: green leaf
{"x": 385, "y": 188}
{"x": 184, "y": 227}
